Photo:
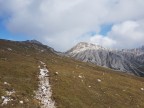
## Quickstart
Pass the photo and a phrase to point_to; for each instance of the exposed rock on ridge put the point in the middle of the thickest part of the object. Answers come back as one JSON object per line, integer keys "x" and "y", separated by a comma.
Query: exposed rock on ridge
{"x": 124, "y": 60}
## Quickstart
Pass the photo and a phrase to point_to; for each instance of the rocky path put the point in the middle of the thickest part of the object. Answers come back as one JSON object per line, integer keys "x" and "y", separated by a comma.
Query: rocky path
{"x": 44, "y": 92}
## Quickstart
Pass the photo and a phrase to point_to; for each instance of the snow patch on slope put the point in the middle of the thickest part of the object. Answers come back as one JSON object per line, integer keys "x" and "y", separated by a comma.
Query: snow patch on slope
{"x": 7, "y": 98}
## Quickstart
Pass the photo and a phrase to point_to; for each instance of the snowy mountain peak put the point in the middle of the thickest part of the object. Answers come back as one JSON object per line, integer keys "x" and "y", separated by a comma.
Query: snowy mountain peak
{"x": 88, "y": 45}
{"x": 82, "y": 46}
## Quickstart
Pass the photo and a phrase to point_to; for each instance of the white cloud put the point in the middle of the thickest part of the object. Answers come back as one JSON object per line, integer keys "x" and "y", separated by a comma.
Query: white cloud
{"x": 61, "y": 23}
{"x": 128, "y": 34}
{"x": 103, "y": 41}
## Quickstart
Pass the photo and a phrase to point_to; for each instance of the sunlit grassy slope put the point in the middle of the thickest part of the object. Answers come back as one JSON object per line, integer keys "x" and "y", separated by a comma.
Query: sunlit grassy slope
{"x": 77, "y": 85}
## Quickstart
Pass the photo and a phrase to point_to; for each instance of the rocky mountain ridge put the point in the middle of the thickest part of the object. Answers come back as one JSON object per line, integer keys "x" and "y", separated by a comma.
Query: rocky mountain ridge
{"x": 127, "y": 60}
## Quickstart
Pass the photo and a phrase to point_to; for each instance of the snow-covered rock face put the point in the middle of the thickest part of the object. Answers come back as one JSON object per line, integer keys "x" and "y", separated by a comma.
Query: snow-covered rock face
{"x": 125, "y": 60}
{"x": 82, "y": 46}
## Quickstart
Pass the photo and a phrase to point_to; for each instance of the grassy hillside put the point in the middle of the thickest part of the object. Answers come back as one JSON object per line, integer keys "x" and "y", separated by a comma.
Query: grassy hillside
{"x": 77, "y": 85}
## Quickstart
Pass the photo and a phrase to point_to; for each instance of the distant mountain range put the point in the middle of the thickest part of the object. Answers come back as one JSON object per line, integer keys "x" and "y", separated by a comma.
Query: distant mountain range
{"x": 126, "y": 60}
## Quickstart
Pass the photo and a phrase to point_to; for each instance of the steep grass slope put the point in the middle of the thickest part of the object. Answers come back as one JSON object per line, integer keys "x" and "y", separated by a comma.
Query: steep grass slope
{"x": 74, "y": 84}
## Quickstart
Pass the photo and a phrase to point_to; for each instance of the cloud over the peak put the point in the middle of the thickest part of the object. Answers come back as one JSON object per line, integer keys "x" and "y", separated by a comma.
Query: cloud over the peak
{"x": 128, "y": 34}
{"x": 103, "y": 41}
{"x": 61, "y": 23}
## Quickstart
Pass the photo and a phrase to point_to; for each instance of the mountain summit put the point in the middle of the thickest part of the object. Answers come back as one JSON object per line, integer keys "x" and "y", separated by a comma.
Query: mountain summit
{"x": 124, "y": 60}
{"x": 34, "y": 41}
{"x": 82, "y": 46}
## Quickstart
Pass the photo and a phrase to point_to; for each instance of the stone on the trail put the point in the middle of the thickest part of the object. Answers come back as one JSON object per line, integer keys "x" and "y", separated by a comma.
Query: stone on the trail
{"x": 56, "y": 73}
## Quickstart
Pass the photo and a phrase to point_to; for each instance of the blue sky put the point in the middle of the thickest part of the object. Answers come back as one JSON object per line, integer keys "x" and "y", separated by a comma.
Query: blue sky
{"x": 105, "y": 29}
{"x": 62, "y": 24}
{"x": 6, "y": 34}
